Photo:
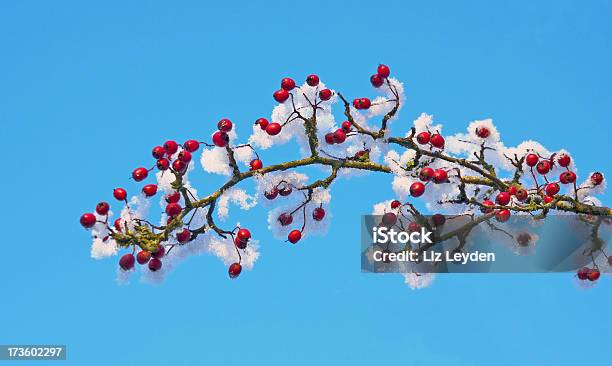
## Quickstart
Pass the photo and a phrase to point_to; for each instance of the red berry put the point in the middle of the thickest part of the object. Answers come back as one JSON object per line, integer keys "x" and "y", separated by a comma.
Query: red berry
{"x": 521, "y": 194}
{"x": 240, "y": 244}
{"x": 552, "y": 189}
{"x": 171, "y": 147}
{"x": 365, "y": 103}
{"x": 285, "y": 219}
{"x": 564, "y": 160}
{"x": 143, "y": 257}
{"x": 184, "y": 156}
{"x": 173, "y": 197}
{"x": 262, "y": 122}
{"x": 329, "y": 138}
{"x": 593, "y": 274}
{"x": 389, "y": 219}
{"x": 173, "y": 209}
{"x": 287, "y": 84}
{"x": 149, "y": 190}
{"x": 244, "y": 234}
{"x": 482, "y": 132}
{"x": 183, "y": 236}
{"x": 256, "y": 164}
{"x": 127, "y": 261}
{"x": 543, "y": 167}
{"x": 487, "y": 204}
{"x": 281, "y": 95}
{"x": 234, "y": 270}
{"x": 503, "y": 198}
{"x": 512, "y": 190}
{"x": 272, "y": 194}
{"x": 440, "y": 176}
{"x": 583, "y": 273}
{"x": 423, "y": 138}
{"x": 437, "y": 141}
{"x": 224, "y": 125}
{"x": 357, "y": 103}
{"x": 312, "y": 80}
{"x": 339, "y": 136}
{"x": 597, "y": 178}
{"x": 376, "y": 80}
{"x": 88, "y": 220}
{"x": 273, "y": 129}
{"x": 159, "y": 252}
{"x": 140, "y": 174}
{"x": 155, "y": 264}
{"x": 383, "y": 71}
{"x": 360, "y": 154}
{"x": 318, "y": 214}
{"x": 191, "y": 145}
{"x": 102, "y": 208}
{"x": 567, "y": 177}
{"x": 294, "y": 236}
{"x": 502, "y": 215}
{"x": 285, "y": 191}
{"x": 548, "y": 199}
{"x": 531, "y": 159}
{"x": 163, "y": 164}
{"x": 220, "y": 138}
{"x": 120, "y": 194}
{"x": 438, "y": 219}
{"x": 346, "y": 126}
{"x": 179, "y": 166}
{"x": 118, "y": 224}
{"x": 395, "y": 204}
{"x": 325, "y": 94}
{"x": 417, "y": 189}
{"x": 158, "y": 152}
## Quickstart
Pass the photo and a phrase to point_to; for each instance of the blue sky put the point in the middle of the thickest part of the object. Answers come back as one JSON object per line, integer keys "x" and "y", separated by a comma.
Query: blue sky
{"x": 87, "y": 89}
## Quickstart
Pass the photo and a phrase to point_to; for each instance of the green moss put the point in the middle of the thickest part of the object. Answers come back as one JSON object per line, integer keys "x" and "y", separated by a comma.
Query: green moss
{"x": 141, "y": 236}
{"x": 146, "y": 239}
{"x": 410, "y": 165}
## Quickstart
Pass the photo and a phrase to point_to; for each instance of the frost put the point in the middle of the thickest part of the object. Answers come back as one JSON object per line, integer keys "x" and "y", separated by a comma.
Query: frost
{"x": 101, "y": 249}
{"x": 215, "y": 160}
{"x": 418, "y": 281}
{"x": 236, "y": 196}
{"x": 381, "y": 207}
{"x": 208, "y": 243}
{"x": 244, "y": 154}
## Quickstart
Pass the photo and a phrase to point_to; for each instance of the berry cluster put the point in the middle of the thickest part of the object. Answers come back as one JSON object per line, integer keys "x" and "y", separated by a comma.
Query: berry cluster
{"x": 271, "y": 129}
{"x": 591, "y": 274}
{"x": 284, "y": 189}
{"x": 168, "y": 158}
{"x": 547, "y": 193}
{"x": 377, "y": 80}
{"x": 433, "y": 139}
{"x": 428, "y": 175}
{"x": 340, "y": 135}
